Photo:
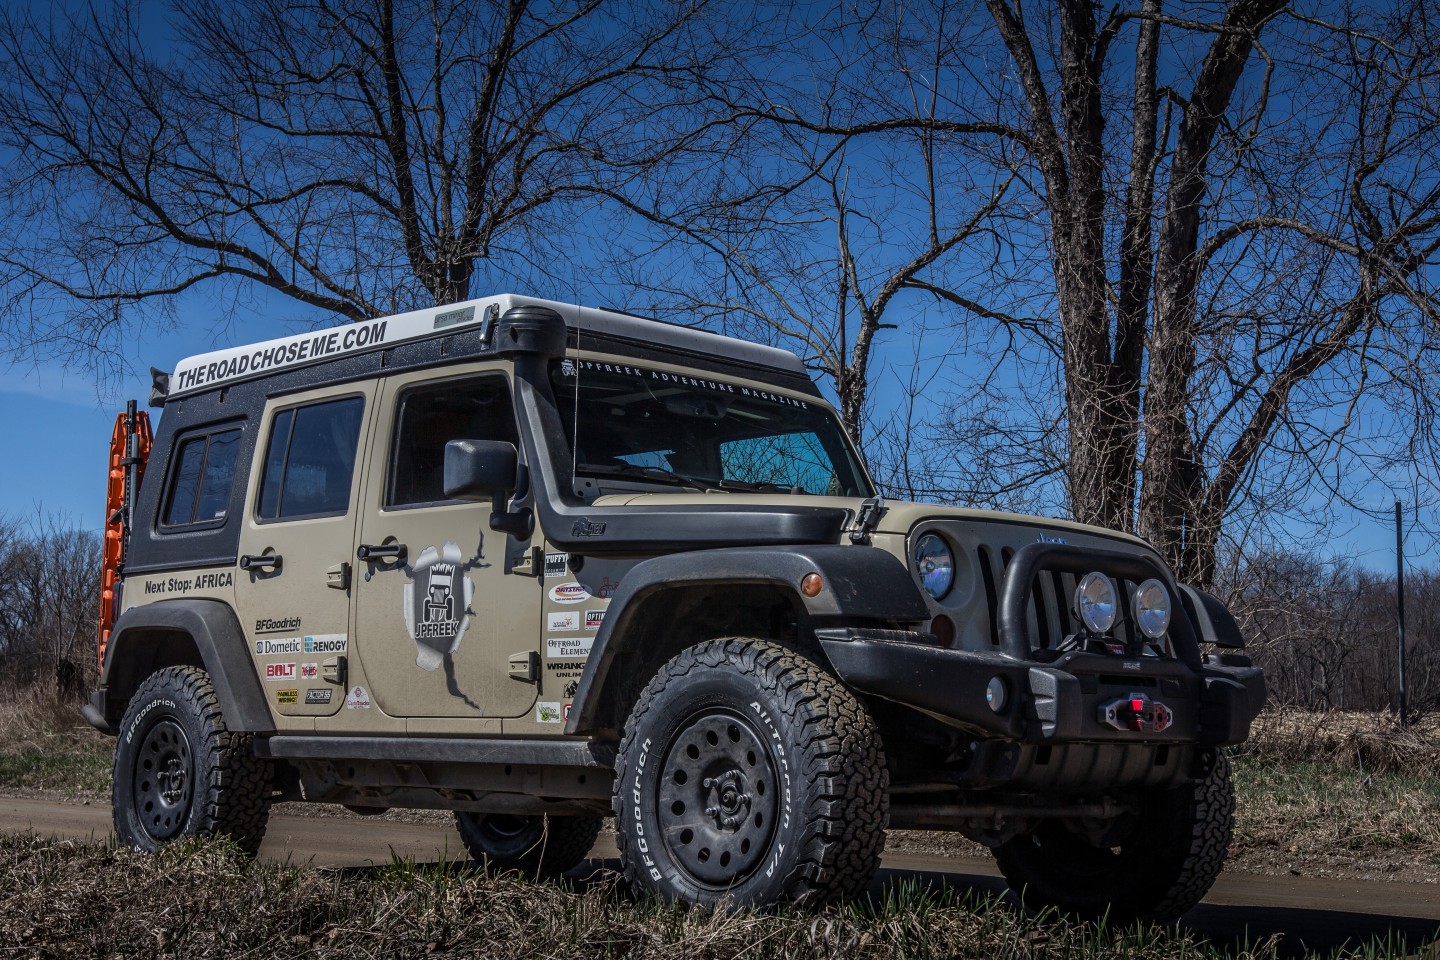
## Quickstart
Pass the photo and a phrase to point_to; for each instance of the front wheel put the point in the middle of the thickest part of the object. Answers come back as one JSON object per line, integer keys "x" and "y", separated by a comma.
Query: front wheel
{"x": 1152, "y": 865}
{"x": 180, "y": 772}
{"x": 749, "y": 774}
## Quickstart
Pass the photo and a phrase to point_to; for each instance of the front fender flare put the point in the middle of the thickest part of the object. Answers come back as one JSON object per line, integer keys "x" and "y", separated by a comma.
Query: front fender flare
{"x": 861, "y": 584}
{"x": 137, "y": 648}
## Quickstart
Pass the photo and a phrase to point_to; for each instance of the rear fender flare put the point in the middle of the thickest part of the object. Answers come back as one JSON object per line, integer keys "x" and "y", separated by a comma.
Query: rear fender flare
{"x": 204, "y": 633}
{"x": 861, "y": 584}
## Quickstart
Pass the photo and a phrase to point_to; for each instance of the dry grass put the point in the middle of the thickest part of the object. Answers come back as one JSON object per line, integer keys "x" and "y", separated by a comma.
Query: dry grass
{"x": 33, "y": 720}
{"x": 1372, "y": 742}
{"x": 66, "y": 899}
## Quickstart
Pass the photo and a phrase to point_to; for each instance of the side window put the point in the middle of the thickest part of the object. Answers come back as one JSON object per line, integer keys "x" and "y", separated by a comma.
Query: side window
{"x": 199, "y": 490}
{"x": 432, "y": 415}
{"x": 310, "y": 460}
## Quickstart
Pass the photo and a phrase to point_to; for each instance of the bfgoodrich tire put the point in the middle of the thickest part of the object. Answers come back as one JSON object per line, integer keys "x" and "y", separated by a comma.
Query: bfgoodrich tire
{"x": 1156, "y": 865}
{"x": 749, "y": 774}
{"x": 179, "y": 772}
{"x": 537, "y": 846}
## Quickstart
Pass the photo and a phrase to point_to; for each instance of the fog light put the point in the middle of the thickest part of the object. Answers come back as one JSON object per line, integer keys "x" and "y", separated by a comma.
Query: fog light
{"x": 996, "y": 694}
{"x": 1096, "y": 603}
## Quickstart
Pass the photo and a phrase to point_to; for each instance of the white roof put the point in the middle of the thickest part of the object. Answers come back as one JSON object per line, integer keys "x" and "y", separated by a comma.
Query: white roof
{"x": 206, "y": 371}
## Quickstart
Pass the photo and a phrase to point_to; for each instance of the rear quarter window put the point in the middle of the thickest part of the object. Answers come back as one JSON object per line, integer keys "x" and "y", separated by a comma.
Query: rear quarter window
{"x": 202, "y": 474}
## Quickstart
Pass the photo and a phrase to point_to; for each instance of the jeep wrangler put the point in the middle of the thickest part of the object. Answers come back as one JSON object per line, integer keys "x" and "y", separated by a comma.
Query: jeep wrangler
{"x": 541, "y": 564}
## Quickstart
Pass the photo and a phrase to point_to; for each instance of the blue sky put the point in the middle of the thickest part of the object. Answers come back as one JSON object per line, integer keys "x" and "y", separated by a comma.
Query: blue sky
{"x": 58, "y": 423}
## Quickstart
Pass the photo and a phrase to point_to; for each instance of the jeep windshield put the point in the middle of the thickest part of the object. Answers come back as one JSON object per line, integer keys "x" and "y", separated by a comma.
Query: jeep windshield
{"x": 639, "y": 425}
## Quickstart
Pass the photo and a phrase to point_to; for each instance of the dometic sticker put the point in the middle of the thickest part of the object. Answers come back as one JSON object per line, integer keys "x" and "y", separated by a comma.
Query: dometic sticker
{"x": 571, "y": 592}
{"x": 556, "y": 565}
{"x": 279, "y": 671}
{"x": 309, "y": 671}
{"x": 200, "y": 581}
{"x": 327, "y": 643}
{"x": 357, "y": 699}
{"x": 317, "y": 697}
{"x": 556, "y": 647}
{"x": 287, "y": 696}
{"x": 277, "y": 625}
{"x": 564, "y": 621}
{"x": 269, "y": 648}
{"x": 547, "y": 712}
{"x": 593, "y": 619}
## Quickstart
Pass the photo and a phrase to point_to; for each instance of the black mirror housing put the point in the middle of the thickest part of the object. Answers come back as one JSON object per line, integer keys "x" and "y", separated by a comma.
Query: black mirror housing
{"x": 479, "y": 469}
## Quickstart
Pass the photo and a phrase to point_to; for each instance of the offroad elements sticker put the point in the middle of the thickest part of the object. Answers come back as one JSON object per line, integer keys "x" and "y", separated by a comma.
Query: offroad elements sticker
{"x": 357, "y": 699}
{"x": 571, "y": 592}
{"x": 566, "y": 621}
{"x": 287, "y": 697}
{"x": 546, "y": 712}
{"x": 275, "y": 672}
{"x": 317, "y": 697}
{"x": 568, "y": 647}
{"x": 437, "y": 604}
{"x": 556, "y": 565}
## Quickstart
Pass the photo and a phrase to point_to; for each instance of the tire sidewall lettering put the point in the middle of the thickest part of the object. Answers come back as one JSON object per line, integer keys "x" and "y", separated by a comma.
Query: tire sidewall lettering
{"x": 140, "y": 717}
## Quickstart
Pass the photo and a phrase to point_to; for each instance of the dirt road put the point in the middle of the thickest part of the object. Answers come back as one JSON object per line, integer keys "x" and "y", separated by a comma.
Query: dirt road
{"x": 1308, "y": 913}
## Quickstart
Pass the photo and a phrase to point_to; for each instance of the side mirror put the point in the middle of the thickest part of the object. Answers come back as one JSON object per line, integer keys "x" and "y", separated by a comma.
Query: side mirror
{"x": 479, "y": 469}
{"x": 489, "y": 470}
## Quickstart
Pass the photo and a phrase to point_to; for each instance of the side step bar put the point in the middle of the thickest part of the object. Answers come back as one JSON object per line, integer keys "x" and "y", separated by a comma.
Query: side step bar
{"x": 546, "y": 753}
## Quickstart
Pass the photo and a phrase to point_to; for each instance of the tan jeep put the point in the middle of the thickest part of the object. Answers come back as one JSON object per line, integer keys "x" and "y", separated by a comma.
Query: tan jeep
{"x": 541, "y": 564}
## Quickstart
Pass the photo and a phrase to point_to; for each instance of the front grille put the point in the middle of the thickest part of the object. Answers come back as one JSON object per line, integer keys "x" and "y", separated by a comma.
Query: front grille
{"x": 1050, "y": 615}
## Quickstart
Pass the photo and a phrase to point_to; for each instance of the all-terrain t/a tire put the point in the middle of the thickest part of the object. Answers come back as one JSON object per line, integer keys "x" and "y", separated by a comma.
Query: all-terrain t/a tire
{"x": 537, "y": 846}
{"x": 749, "y": 774}
{"x": 179, "y": 772}
{"x": 1158, "y": 865}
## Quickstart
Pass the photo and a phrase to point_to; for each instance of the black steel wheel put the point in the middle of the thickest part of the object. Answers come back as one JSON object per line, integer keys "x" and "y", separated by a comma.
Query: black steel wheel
{"x": 180, "y": 772}
{"x": 164, "y": 781}
{"x": 537, "y": 846}
{"x": 1152, "y": 865}
{"x": 749, "y": 775}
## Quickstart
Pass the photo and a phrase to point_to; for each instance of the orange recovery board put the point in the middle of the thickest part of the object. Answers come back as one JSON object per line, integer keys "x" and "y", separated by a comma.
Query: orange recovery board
{"x": 130, "y": 443}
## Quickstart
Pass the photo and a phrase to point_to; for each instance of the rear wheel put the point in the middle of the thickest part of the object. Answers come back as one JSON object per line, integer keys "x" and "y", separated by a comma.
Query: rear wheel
{"x": 749, "y": 774}
{"x": 180, "y": 772}
{"x": 1152, "y": 865}
{"x": 537, "y": 846}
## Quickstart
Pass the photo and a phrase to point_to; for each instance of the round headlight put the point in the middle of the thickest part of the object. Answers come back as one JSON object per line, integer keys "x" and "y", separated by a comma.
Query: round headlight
{"x": 1152, "y": 608}
{"x": 1095, "y": 601}
{"x": 935, "y": 563}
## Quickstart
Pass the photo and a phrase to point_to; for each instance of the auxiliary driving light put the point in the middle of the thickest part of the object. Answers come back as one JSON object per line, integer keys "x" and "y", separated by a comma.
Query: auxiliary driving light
{"x": 1095, "y": 601}
{"x": 996, "y": 694}
{"x": 1152, "y": 608}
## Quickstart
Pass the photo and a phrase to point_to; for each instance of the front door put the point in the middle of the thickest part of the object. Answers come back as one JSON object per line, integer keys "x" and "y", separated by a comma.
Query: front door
{"x": 298, "y": 543}
{"x": 438, "y": 619}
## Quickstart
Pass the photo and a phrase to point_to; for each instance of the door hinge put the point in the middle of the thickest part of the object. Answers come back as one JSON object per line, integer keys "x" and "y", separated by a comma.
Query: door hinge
{"x": 335, "y": 670}
{"x": 525, "y": 666}
{"x": 338, "y": 576}
{"x": 529, "y": 564}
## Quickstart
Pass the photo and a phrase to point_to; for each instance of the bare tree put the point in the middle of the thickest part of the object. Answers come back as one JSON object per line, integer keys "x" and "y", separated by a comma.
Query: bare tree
{"x": 1239, "y": 218}
{"x": 355, "y": 157}
{"x": 49, "y": 601}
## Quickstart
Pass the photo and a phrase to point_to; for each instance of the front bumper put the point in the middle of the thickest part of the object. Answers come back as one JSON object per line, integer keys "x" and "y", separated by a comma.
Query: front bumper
{"x": 1061, "y": 701}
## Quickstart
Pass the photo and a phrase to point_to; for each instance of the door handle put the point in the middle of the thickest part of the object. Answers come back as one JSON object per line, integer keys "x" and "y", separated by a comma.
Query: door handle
{"x": 385, "y": 551}
{"x": 262, "y": 561}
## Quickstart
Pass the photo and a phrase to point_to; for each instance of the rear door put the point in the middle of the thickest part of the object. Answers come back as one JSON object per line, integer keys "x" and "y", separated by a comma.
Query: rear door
{"x": 298, "y": 541}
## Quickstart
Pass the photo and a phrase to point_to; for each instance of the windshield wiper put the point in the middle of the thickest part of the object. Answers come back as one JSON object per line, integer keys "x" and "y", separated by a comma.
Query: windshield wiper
{"x": 758, "y": 486}
{"x": 636, "y": 472}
